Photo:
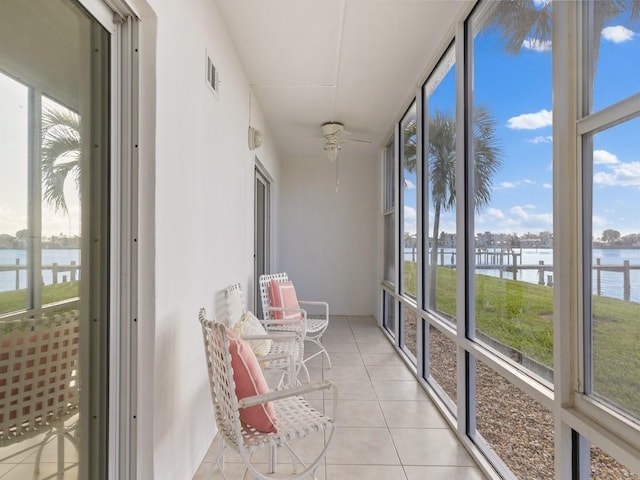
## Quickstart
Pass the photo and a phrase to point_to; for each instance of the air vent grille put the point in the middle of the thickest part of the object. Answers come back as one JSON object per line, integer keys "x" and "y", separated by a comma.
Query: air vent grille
{"x": 212, "y": 76}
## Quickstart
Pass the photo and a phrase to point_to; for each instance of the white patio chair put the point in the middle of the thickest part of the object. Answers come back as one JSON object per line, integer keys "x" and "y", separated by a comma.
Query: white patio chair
{"x": 281, "y": 342}
{"x": 295, "y": 418}
{"x": 38, "y": 382}
{"x": 316, "y": 324}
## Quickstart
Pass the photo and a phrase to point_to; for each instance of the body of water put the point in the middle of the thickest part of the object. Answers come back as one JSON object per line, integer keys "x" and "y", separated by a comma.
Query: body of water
{"x": 611, "y": 283}
{"x": 61, "y": 256}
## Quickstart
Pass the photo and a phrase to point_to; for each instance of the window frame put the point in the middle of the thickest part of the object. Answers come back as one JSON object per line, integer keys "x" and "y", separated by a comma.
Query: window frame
{"x": 579, "y": 420}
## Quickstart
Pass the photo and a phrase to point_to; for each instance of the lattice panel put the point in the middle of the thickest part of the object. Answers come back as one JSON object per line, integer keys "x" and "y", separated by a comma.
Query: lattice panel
{"x": 38, "y": 375}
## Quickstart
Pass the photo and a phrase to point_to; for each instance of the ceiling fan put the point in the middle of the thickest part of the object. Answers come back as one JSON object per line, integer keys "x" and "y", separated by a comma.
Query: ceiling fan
{"x": 333, "y": 133}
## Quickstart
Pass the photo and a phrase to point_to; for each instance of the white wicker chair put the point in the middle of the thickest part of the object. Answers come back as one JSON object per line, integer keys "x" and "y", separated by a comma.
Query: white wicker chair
{"x": 296, "y": 419}
{"x": 316, "y": 325}
{"x": 38, "y": 381}
{"x": 282, "y": 342}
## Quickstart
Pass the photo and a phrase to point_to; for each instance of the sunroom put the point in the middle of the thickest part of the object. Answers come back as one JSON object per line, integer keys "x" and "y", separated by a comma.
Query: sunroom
{"x": 457, "y": 179}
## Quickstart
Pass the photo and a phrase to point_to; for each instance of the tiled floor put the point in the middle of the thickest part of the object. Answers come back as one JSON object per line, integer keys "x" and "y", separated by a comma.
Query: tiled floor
{"x": 388, "y": 429}
{"x": 17, "y": 461}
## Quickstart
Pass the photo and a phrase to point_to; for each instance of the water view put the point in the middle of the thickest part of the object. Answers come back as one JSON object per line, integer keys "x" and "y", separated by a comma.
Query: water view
{"x": 10, "y": 257}
{"x": 611, "y": 282}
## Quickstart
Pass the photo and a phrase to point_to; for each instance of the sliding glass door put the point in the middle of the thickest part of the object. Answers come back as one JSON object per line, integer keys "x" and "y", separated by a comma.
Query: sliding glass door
{"x": 54, "y": 240}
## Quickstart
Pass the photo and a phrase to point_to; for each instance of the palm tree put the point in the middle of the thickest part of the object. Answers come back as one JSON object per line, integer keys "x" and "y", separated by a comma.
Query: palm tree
{"x": 487, "y": 161}
{"x": 61, "y": 153}
{"x": 519, "y": 19}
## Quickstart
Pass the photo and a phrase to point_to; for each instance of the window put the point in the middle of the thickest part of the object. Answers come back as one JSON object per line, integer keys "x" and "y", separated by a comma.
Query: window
{"x": 517, "y": 428}
{"x": 389, "y": 312}
{"x": 609, "y": 130}
{"x": 439, "y": 186}
{"x": 408, "y": 230}
{"x": 510, "y": 156}
{"x": 389, "y": 214}
{"x": 14, "y": 183}
{"x": 389, "y": 233}
{"x": 443, "y": 365}
{"x": 408, "y": 225}
{"x": 547, "y": 217}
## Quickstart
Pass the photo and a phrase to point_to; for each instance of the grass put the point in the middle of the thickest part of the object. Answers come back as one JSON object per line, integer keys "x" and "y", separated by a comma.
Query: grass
{"x": 14, "y": 300}
{"x": 520, "y": 314}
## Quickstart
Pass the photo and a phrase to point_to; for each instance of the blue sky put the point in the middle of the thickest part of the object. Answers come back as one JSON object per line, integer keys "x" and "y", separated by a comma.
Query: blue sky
{"x": 517, "y": 90}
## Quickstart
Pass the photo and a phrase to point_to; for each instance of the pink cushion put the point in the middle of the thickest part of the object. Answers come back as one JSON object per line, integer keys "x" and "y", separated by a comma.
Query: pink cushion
{"x": 250, "y": 381}
{"x": 283, "y": 295}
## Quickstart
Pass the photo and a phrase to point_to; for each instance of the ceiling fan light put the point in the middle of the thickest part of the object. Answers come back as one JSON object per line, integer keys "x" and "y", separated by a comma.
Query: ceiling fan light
{"x": 332, "y": 151}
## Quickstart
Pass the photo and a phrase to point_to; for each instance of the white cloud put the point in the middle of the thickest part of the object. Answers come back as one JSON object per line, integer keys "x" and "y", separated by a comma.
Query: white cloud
{"x": 541, "y": 139}
{"x": 617, "y": 34}
{"x": 410, "y": 224}
{"x": 531, "y": 121}
{"x": 620, "y": 175}
{"x": 601, "y": 157}
{"x": 548, "y": 186}
{"x": 518, "y": 219}
{"x": 517, "y": 183}
{"x": 543, "y": 221}
{"x": 495, "y": 213}
{"x": 537, "y": 45}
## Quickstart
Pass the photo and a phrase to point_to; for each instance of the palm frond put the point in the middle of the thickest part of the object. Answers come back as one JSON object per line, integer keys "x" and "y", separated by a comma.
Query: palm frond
{"x": 61, "y": 154}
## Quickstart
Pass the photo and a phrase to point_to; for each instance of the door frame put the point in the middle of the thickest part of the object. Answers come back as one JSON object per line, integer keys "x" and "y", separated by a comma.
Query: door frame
{"x": 262, "y": 232}
{"x": 113, "y": 454}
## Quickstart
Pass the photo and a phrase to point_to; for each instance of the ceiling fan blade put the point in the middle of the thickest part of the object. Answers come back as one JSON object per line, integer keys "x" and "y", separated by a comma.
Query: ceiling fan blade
{"x": 357, "y": 140}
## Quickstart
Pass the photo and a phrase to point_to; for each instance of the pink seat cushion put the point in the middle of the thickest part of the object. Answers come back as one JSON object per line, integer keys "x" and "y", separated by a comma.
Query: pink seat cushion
{"x": 250, "y": 381}
{"x": 283, "y": 295}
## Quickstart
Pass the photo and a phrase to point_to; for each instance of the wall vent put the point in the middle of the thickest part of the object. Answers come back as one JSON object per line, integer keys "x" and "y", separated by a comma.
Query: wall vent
{"x": 212, "y": 76}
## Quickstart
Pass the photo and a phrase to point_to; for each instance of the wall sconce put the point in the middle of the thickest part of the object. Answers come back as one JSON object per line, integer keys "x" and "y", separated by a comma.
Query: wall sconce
{"x": 255, "y": 138}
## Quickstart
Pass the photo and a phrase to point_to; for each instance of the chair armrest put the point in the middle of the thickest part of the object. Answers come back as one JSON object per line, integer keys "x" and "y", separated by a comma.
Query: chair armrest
{"x": 291, "y": 362}
{"x": 295, "y": 325}
{"x": 288, "y": 392}
{"x": 273, "y": 356}
{"x": 275, "y": 336}
{"x": 284, "y": 310}
{"x": 316, "y": 303}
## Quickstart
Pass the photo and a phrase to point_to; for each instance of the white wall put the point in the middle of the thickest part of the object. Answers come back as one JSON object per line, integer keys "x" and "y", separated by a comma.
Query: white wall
{"x": 203, "y": 222}
{"x": 328, "y": 240}
{"x": 200, "y": 217}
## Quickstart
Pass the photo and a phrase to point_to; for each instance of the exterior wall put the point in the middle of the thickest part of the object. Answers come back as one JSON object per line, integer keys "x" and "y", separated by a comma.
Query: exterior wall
{"x": 201, "y": 213}
{"x": 329, "y": 240}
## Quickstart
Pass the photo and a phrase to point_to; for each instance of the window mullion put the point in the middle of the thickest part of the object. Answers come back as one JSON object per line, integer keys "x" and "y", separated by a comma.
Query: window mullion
{"x": 34, "y": 243}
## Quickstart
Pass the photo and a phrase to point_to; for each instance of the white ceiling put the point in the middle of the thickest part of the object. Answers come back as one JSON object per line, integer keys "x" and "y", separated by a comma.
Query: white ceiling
{"x": 352, "y": 61}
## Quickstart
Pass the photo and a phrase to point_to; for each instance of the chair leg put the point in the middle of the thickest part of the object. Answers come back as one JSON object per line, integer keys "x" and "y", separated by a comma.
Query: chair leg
{"x": 306, "y": 371}
{"x": 220, "y": 458}
{"x": 322, "y": 351}
{"x": 273, "y": 460}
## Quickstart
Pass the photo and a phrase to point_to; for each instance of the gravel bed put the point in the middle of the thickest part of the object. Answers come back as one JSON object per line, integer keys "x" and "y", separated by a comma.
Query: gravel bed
{"x": 517, "y": 428}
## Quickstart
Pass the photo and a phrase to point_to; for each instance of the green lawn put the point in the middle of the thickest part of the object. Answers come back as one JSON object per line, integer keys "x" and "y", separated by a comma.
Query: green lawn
{"x": 17, "y": 299}
{"x": 520, "y": 314}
